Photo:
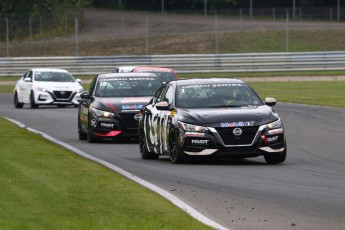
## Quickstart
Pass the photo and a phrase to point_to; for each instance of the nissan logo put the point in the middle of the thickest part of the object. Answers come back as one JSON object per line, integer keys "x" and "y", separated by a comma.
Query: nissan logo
{"x": 237, "y": 131}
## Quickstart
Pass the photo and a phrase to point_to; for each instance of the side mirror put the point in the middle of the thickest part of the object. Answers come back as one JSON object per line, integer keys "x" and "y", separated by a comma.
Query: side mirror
{"x": 27, "y": 79}
{"x": 85, "y": 95}
{"x": 78, "y": 80}
{"x": 163, "y": 105}
{"x": 270, "y": 101}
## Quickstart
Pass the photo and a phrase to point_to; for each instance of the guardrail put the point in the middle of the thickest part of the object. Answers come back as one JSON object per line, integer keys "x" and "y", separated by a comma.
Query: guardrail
{"x": 183, "y": 63}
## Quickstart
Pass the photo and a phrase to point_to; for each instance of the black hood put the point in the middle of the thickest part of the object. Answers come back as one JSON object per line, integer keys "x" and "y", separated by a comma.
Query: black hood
{"x": 215, "y": 117}
{"x": 121, "y": 104}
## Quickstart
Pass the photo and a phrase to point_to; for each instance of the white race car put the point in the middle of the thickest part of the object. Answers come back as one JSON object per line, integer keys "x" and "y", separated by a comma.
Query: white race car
{"x": 47, "y": 86}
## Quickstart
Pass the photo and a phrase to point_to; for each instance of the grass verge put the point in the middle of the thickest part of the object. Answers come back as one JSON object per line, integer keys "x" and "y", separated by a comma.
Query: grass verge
{"x": 324, "y": 93}
{"x": 44, "y": 186}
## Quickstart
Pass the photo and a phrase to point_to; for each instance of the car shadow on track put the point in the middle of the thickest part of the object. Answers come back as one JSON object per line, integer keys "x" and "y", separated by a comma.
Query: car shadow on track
{"x": 220, "y": 161}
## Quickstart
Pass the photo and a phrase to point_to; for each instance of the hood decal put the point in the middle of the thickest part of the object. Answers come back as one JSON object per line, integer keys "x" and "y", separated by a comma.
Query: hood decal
{"x": 110, "y": 105}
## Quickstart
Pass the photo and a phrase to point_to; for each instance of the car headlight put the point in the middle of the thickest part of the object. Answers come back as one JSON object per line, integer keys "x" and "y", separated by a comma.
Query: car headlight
{"x": 41, "y": 89}
{"x": 192, "y": 128}
{"x": 79, "y": 90}
{"x": 275, "y": 125}
{"x": 101, "y": 113}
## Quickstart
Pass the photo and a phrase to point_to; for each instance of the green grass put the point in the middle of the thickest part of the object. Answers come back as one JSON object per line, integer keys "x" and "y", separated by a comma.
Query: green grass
{"x": 190, "y": 43}
{"x": 6, "y": 88}
{"x": 325, "y": 93}
{"x": 44, "y": 186}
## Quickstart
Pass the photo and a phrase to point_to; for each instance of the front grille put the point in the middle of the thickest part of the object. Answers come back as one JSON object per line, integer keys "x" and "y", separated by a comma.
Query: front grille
{"x": 246, "y": 138}
{"x": 128, "y": 121}
{"x": 62, "y": 94}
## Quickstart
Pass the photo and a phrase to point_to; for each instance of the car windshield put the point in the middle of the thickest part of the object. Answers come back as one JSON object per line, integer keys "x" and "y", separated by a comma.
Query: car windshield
{"x": 216, "y": 96}
{"x": 165, "y": 76}
{"x": 53, "y": 76}
{"x": 127, "y": 87}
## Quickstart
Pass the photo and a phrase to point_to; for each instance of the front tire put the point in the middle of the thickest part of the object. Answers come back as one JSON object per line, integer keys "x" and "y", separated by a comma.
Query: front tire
{"x": 81, "y": 134}
{"x": 91, "y": 138}
{"x": 175, "y": 153}
{"x": 16, "y": 102}
{"x": 33, "y": 104}
{"x": 275, "y": 158}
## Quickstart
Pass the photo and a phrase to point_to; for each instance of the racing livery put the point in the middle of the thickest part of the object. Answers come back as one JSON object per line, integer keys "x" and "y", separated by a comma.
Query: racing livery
{"x": 47, "y": 86}
{"x": 210, "y": 117}
{"x": 107, "y": 109}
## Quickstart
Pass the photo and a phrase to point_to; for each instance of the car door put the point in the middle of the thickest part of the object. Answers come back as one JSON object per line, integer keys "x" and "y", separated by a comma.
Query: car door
{"x": 25, "y": 85}
{"x": 163, "y": 125}
{"x": 151, "y": 120}
{"x": 85, "y": 103}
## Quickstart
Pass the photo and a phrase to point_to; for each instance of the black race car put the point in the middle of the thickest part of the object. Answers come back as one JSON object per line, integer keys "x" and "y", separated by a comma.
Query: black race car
{"x": 107, "y": 109}
{"x": 210, "y": 117}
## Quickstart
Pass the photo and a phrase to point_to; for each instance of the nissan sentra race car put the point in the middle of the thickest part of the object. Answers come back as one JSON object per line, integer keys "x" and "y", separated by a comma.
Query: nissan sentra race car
{"x": 107, "y": 109}
{"x": 210, "y": 118}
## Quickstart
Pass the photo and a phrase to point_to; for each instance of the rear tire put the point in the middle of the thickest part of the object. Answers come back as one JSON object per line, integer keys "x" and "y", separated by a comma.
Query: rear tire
{"x": 144, "y": 152}
{"x": 275, "y": 158}
{"x": 33, "y": 104}
{"x": 16, "y": 103}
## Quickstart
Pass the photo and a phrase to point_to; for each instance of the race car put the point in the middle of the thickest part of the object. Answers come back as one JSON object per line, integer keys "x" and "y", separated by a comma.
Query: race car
{"x": 165, "y": 74}
{"x": 47, "y": 86}
{"x": 107, "y": 109}
{"x": 210, "y": 118}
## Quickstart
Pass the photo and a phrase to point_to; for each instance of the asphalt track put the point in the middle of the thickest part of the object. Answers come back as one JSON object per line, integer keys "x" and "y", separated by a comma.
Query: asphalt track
{"x": 306, "y": 192}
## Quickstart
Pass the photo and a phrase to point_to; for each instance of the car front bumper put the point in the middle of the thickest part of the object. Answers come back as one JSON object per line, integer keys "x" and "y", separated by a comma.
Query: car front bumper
{"x": 57, "y": 98}
{"x": 258, "y": 142}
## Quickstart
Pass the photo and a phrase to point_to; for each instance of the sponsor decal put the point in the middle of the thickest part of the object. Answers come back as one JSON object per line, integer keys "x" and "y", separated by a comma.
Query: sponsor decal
{"x": 199, "y": 142}
{"x": 131, "y": 107}
{"x": 93, "y": 123}
{"x": 237, "y": 124}
{"x": 272, "y": 139}
{"x": 212, "y": 85}
{"x": 136, "y": 99}
{"x": 237, "y": 131}
{"x": 107, "y": 125}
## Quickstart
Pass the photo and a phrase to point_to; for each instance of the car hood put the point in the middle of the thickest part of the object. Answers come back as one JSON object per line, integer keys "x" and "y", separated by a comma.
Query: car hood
{"x": 121, "y": 104}
{"x": 58, "y": 86}
{"x": 228, "y": 117}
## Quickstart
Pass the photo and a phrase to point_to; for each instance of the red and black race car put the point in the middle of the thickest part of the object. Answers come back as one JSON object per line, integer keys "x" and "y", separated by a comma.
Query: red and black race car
{"x": 107, "y": 109}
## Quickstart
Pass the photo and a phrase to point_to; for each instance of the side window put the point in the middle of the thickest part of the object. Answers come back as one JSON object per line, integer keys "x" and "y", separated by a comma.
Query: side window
{"x": 29, "y": 74}
{"x": 93, "y": 85}
{"x": 169, "y": 95}
{"x": 159, "y": 95}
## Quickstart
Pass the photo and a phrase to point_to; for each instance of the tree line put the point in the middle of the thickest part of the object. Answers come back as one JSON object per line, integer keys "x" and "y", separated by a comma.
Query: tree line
{"x": 32, "y": 8}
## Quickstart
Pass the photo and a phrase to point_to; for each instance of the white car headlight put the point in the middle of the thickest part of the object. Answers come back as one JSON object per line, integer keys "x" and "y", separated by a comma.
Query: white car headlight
{"x": 101, "y": 113}
{"x": 80, "y": 90}
{"x": 192, "y": 128}
{"x": 41, "y": 89}
{"x": 275, "y": 125}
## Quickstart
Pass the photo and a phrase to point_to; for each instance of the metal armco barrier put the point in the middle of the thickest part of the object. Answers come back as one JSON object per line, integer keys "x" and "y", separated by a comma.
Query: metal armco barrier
{"x": 183, "y": 63}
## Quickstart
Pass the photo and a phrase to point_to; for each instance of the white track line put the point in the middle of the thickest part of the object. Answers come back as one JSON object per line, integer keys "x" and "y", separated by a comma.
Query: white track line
{"x": 173, "y": 199}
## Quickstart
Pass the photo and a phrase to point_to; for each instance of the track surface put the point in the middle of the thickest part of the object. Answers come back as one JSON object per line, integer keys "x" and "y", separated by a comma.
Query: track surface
{"x": 306, "y": 192}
